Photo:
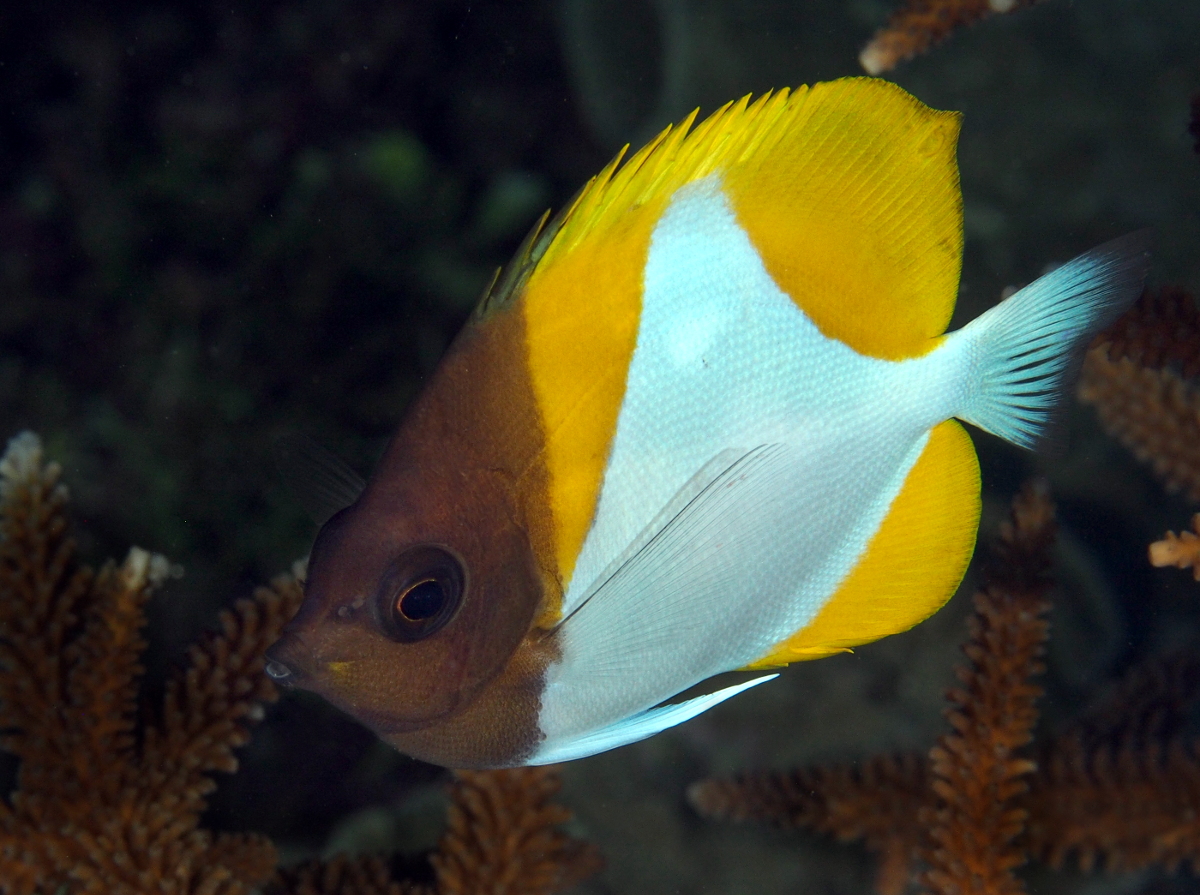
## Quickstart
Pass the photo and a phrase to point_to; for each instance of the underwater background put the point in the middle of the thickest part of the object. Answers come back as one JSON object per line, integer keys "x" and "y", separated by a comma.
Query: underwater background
{"x": 219, "y": 224}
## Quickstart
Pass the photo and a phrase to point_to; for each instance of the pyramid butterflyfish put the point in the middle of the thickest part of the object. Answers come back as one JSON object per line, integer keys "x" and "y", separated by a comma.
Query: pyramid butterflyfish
{"x": 708, "y": 419}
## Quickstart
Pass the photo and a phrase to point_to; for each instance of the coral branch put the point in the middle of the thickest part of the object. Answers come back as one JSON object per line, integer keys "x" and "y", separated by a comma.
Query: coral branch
{"x": 1122, "y": 809}
{"x": 93, "y": 811}
{"x": 920, "y": 24}
{"x": 875, "y": 802}
{"x": 1118, "y": 790}
{"x": 503, "y": 837}
{"x": 969, "y": 796}
{"x": 209, "y": 703}
{"x": 366, "y": 875}
{"x": 103, "y": 806}
{"x": 979, "y": 771}
{"x": 1153, "y": 412}
{"x": 1181, "y": 551}
{"x": 1137, "y": 374}
{"x": 1150, "y": 704}
{"x": 1161, "y": 331}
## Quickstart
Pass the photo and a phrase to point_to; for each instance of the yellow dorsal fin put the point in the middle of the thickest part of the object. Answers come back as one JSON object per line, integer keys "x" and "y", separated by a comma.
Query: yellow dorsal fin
{"x": 853, "y": 202}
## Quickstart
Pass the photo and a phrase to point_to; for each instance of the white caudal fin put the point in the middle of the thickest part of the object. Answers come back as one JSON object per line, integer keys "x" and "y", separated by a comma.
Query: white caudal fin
{"x": 1023, "y": 354}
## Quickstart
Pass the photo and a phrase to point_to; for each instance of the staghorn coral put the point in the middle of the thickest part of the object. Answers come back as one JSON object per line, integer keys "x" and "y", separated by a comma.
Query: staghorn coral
{"x": 101, "y": 804}
{"x": 920, "y": 24}
{"x": 106, "y": 805}
{"x": 1119, "y": 790}
{"x": 1160, "y": 331}
{"x": 1120, "y": 808}
{"x": 873, "y": 801}
{"x": 1148, "y": 705}
{"x": 979, "y": 768}
{"x": 1154, "y": 413}
{"x": 1181, "y": 551}
{"x": 1116, "y": 806}
{"x": 502, "y": 838}
{"x": 1138, "y": 376}
{"x": 966, "y": 792}
{"x": 342, "y": 875}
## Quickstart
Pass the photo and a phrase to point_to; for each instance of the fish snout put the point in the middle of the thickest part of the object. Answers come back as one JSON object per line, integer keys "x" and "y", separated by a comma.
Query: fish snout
{"x": 287, "y": 659}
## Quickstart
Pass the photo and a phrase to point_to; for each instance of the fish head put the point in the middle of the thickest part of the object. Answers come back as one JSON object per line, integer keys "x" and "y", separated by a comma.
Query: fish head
{"x": 416, "y": 597}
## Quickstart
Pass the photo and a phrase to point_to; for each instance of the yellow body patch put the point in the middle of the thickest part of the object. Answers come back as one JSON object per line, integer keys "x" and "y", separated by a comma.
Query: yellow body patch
{"x": 912, "y": 565}
{"x": 822, "y": 178}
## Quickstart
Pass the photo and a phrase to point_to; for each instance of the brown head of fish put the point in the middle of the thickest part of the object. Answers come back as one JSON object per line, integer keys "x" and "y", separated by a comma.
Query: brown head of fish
{"x": 425, "y": 599}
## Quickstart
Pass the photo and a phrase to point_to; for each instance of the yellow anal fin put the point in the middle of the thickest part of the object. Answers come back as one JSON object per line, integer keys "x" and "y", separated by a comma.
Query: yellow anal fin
{"x": 914, "y": 562}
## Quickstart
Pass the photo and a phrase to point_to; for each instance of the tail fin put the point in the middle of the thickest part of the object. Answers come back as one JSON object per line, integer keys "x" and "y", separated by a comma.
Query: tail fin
{"x": 1025, "y": 352}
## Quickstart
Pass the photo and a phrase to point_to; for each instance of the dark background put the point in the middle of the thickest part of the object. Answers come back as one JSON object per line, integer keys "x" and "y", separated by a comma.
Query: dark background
{"x": 219, "y": 223}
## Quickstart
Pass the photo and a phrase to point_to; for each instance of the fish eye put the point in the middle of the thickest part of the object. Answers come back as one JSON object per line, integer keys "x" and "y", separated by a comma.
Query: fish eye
{"x": 420, "y": 592}
{"x": 421, "y": 601}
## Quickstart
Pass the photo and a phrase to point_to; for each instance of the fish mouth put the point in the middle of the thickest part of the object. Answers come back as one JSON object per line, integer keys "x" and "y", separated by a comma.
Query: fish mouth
{"x": 287, "y": 661}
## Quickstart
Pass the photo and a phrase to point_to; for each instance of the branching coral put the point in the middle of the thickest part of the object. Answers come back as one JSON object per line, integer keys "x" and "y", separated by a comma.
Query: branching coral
{"x": 979, "y": 769}
{"x": 107, "y": 805}
{"x": 1138, "y": 376}
{"x": 874, "y": 801}
{"x": 502, "y": 838}
{"x": 101, "y": 805}
{"x": 1141, "y": 376}
{"x": 1160, "y": 331}
{"x": 1181, "y": 551}
{"x": 1118, "y": 808}
{"x": 341, "y": 875}
{"x": 920, "y": 24}
{"x": 1118, "y": 790}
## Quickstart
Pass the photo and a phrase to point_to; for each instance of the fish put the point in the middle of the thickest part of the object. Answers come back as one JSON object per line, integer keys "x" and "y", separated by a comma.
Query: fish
{"x": 709, "y": 419}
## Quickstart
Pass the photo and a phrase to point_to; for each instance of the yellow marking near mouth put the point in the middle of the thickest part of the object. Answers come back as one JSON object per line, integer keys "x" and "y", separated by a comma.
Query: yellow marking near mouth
{"x": 339, "y": 669}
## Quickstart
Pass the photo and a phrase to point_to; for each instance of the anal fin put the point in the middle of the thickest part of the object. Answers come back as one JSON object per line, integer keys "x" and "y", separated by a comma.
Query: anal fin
{"x": 913, "y": 563}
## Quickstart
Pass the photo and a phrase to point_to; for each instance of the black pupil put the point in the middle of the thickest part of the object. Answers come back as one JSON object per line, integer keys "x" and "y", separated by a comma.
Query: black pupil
{"x": 422, "y": 601}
